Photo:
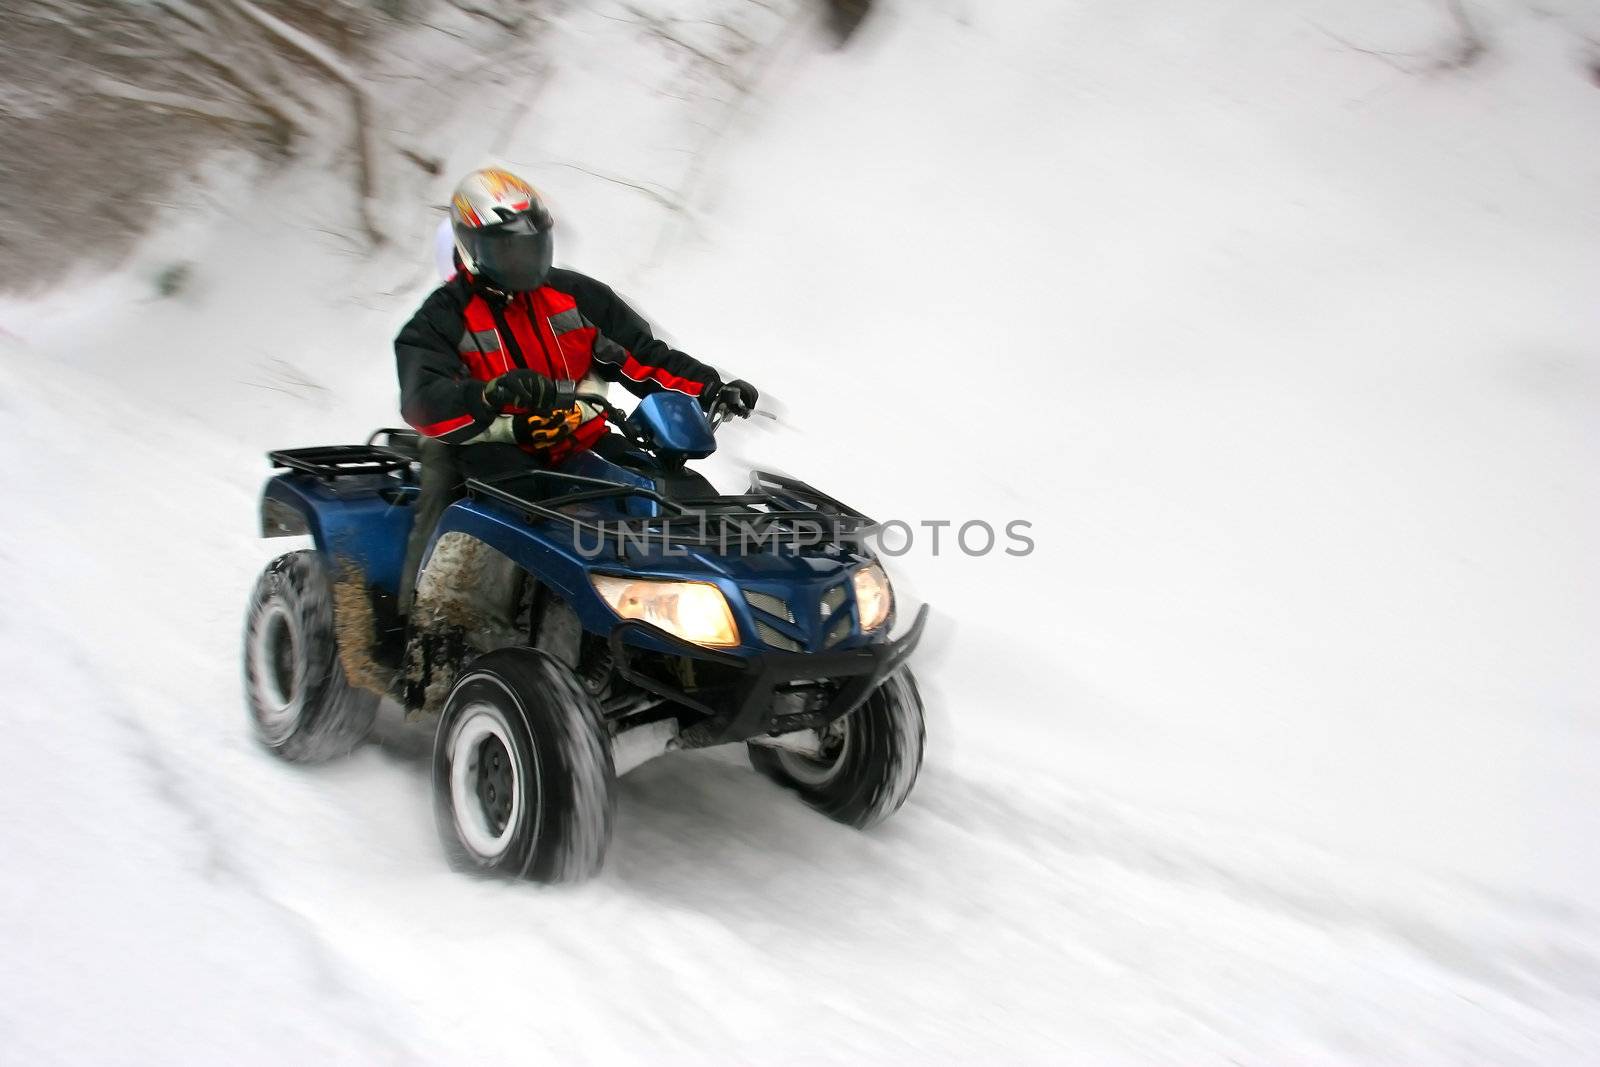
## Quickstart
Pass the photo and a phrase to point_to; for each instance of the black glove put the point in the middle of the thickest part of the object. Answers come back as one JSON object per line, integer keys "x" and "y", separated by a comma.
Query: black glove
{"x": 525, "y": 390}
{"x": 739, "y": 395}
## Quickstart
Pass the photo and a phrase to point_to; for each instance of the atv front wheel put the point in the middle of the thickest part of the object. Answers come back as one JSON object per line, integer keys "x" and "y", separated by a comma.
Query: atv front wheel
{"x": 869, "y": 759}
{"x": 523, "y": 783}
{"x": 300, "y": 702}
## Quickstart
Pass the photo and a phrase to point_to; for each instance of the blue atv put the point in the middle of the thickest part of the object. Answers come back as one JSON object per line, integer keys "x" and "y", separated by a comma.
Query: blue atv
{"x": 569, "y": 624}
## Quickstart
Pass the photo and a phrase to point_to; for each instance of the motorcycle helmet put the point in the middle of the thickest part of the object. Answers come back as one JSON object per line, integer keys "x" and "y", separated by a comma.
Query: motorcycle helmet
{"x": 502, "y": 230}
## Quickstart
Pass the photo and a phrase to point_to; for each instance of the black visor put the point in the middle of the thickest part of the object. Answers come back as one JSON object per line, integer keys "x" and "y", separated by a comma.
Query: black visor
{"x": 515, "y": 254}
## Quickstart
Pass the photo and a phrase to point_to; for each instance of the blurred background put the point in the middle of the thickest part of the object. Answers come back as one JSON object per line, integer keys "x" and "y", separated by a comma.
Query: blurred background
{"x": 1277, "y": 323}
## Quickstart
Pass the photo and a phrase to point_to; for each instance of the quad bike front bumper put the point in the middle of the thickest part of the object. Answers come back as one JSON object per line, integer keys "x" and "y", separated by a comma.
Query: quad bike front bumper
{"x": 766, "y": 693}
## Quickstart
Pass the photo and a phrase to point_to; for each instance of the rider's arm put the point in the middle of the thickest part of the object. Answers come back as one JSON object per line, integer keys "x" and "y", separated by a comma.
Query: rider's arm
{"x": 438, "y": 396}
{"x": 626, "y": 351}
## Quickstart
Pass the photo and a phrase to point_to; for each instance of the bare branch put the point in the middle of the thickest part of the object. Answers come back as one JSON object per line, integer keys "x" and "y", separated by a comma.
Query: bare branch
{"x": 179, "y": 102}
{"x": 1388, "y": 59}
{"x": 324, "y": 57}
{"x": 283, "y": 126}
{"x": 655, "y": 194}
{"x": 1471, "y": 46}
{"x": 661, "y": 29}
{"x": 509, "y": 25}
{"x": 1467, "y": 49}
{"x": 430, "y": 165}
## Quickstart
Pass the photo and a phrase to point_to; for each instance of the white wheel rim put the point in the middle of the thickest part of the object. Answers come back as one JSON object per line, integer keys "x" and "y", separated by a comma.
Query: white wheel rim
{"x": 814, "y": 771}
{"x": 478, "y": 723}
{"x": 278, "y": 699}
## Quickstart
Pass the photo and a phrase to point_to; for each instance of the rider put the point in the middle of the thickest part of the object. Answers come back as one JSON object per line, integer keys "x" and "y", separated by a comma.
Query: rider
{"x": 492, "y": 358}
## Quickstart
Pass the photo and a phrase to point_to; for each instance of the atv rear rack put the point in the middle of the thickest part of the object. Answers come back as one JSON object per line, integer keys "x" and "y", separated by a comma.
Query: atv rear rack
{"x": 773, "y": 507}
{"x": 328, "y": 462}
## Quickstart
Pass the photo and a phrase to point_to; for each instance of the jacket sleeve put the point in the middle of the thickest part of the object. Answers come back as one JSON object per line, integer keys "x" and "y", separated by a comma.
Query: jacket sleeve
{"x": 438, "y": 397}
{"x": 626, "y": 351}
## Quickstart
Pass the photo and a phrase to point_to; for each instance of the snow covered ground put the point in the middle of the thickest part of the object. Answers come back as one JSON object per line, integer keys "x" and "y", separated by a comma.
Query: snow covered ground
{"x": 1280, "y": 748}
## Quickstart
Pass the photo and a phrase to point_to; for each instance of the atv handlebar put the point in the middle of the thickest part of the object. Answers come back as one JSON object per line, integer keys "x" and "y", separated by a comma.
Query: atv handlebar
{"x": 721, "y": 411}
{"x": 614, "y": 415}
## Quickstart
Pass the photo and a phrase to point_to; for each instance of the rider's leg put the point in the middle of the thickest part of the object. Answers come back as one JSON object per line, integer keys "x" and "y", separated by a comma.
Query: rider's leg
{"x": 445, "y": 469}
{"x": 441, "y": 485}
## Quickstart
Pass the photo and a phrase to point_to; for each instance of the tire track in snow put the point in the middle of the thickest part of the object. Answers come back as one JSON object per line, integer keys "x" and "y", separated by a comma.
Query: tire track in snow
{"x": 334, "y": 985}
{"x": 1539, "y": 947}
{"x": 1073, "y": 890}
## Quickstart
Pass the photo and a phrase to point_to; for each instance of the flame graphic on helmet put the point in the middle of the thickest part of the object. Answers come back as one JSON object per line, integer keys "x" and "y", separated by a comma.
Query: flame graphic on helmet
{"x": 501, "y": 187}
{"x": 465, "y": 211}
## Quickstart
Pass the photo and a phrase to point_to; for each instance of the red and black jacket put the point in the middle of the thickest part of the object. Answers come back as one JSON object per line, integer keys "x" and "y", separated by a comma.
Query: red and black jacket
{"x": 466, "y": 333}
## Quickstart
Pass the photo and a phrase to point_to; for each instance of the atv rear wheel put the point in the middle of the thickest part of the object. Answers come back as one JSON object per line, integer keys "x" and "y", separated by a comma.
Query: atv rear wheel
{"x": 523, "y": 782}
{"x": 869, "y": 760}
{"x": 300, "y": 702}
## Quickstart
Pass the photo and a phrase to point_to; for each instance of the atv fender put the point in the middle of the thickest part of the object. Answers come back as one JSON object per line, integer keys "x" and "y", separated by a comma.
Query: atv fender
{"x": 355, "y": 526}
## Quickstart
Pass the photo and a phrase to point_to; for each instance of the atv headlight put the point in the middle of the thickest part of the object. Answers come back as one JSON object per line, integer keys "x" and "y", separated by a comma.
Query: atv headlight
{"x": 694, "y": 611}
{"x": 874, "y": 597}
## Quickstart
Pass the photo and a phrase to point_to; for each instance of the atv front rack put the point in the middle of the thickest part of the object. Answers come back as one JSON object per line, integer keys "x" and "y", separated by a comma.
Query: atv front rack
{"x": 772, "y": 508}
{"x": 745, "y": 707}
